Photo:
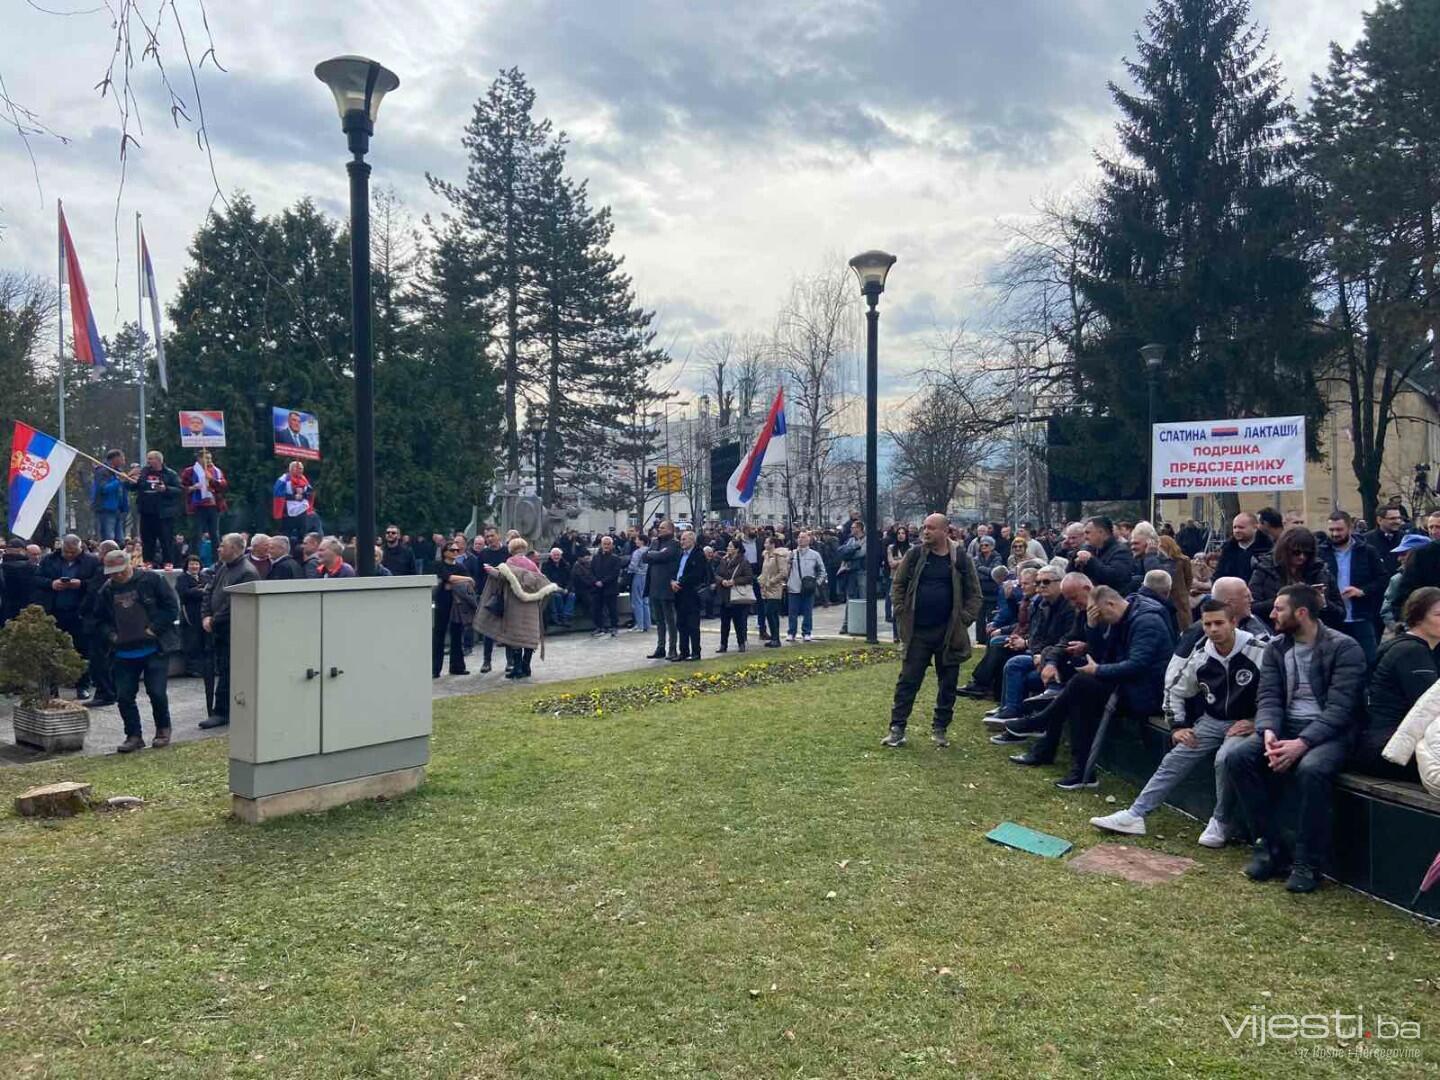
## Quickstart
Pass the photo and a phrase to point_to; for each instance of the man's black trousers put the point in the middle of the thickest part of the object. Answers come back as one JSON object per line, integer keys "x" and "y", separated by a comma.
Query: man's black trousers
{"x": 925, "y": 648}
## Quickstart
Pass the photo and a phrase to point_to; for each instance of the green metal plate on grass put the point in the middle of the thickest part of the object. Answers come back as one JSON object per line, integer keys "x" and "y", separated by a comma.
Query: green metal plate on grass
{"x": 1022, "y": 839}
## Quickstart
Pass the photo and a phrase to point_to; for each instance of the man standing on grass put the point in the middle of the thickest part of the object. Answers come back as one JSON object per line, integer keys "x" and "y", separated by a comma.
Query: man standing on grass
{"x": 138, "y": 612}
{"x": 935, "y": 593}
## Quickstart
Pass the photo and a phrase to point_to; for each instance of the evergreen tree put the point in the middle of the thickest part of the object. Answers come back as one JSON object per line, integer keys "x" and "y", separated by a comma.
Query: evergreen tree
{"x": 497, "y": 205}
{"x": 1198, "y": 236}
{"x": 591, "y": 337}
{"x": 1369, "y": 139}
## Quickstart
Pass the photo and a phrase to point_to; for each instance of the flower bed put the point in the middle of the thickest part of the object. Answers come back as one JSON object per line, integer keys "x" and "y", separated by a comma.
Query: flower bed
{"x": 761, "y": 673}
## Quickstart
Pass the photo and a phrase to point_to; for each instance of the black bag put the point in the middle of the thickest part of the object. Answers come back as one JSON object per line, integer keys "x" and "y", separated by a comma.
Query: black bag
{"x": 807, "y": 585}
{"x": 496, "y": 604}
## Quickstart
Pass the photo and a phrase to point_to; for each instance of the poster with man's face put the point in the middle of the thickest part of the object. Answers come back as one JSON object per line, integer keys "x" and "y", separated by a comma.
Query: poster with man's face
{"x": 297, "y": 434}
{"x": 202, "y": 427}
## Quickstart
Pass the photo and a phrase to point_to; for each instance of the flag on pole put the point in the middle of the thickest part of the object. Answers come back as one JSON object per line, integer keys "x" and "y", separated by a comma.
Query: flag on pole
{"x": 89, "y": 349}
{"x": 147, "y": 286}
{"x": 38, "y": 464}
{"x": 740, "y": 488}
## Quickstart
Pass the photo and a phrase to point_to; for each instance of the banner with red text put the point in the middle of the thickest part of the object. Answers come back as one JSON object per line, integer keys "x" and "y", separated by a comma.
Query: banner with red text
{"x": 1205, "y": 456}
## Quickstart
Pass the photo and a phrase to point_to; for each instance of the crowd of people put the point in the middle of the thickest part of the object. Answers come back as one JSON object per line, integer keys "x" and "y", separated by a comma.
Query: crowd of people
{"x": 1285, "y": 656}
{"x": 1282, "y": 653}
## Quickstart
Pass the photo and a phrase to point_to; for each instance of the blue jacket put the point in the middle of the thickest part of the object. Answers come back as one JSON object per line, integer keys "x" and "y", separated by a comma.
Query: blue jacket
{"x": 1138, "y": 649}
{"x": 111, "y": 495}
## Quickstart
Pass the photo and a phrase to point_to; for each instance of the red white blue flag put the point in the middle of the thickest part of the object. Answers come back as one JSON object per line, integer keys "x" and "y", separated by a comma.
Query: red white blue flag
{"x": 38, "y": 464}
{"x": 147, "y": 289}
{"x": 770, "y": 443}
{"x": 89, "y": 349}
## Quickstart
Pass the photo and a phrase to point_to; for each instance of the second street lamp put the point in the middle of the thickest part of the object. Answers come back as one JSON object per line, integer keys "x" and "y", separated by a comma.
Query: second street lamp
{"x": 871, "y": 268}
{"x": 358, "y": 85}
{"x": 1154, "y": 356}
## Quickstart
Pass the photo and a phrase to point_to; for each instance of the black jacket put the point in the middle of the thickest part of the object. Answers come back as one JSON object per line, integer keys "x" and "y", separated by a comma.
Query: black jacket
{"x": 1405, "y": 667}
{"x": 20, "y": 585}
{"x": 606, "y": 570}
{"x": 1051, "y": 622}
{"x": 559, "y": 573}
{"x": 1265, "y": 585}
{"x": 1337, "y": 678}
{"x": 67, "y": 601}
{"x": 1367, "y": 573}
{"x": 192, "y": 596}
{"x": 1137, "y": 651}
{"x": 663, "y": 558}
{"x": 1111, "y": 565}
{"x": 696, "y": 577}
{"x": 1236, "y": 561}
{"x": 398, "y": 560}
{"x": 162, "y": 609}
{"x": 1385, "y": 544}
{"x": 162, "y": 501}
{"x": 287, "y": 569}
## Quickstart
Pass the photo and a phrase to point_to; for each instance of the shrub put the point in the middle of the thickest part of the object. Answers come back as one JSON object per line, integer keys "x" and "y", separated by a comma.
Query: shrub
{"x": 35, "y": 654}
{"x": 618, "y": 698}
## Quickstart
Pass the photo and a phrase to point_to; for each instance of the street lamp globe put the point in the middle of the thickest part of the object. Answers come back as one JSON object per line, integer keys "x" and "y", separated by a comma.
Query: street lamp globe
{"x": 1153, "y": 355}
{"x": 871, "y": 268}
{"x": 358, "y": 84}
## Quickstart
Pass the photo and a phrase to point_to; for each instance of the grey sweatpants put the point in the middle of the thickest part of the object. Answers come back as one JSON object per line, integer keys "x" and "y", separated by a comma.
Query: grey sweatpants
{"x": 1176, "y": 765}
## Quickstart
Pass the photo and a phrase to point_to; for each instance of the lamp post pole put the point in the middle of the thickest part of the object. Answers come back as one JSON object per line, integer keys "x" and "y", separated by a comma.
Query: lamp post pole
{"x": 358, "y": 85}
{"x": 871, "y": 268}
{"x": 359, "y": 172}
{"x": 1153, "y": 355}
{"x": 872, "y": 469}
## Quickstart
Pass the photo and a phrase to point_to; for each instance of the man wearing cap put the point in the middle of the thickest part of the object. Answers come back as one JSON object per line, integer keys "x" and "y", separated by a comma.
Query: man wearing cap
{"x": 138, "y": 613}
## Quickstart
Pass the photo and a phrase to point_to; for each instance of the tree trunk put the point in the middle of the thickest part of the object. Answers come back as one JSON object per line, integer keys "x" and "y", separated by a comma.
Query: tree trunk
{"x": 65, "y": 799}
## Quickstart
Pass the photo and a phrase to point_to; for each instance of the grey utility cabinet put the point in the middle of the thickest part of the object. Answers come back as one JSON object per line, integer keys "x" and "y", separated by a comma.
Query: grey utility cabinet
{"x": 330, "y": 692}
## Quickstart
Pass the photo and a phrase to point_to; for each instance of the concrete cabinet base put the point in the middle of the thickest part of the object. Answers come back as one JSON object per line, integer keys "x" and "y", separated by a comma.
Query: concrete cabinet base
{"x": 330, "y": 692}
{"x": 311, "y": 800}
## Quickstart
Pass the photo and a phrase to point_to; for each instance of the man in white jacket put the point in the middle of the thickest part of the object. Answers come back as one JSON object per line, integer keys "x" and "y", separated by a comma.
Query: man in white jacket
{"x": 1223, "y": 675}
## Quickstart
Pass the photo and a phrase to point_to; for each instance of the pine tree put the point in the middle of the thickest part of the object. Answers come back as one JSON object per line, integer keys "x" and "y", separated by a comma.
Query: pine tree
{"x": 1197, "y": 240}
{"x": 497, "y": 204}
{"x": 590, "y": 336}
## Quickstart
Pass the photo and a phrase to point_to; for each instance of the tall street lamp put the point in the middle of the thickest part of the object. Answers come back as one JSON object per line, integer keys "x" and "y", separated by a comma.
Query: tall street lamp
{"x": 871, "y": 268}
{"x": 359, "y": 85}
{"x": 1154, "y": 356}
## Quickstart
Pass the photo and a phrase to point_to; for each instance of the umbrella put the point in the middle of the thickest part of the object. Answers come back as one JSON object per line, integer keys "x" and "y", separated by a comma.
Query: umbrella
{"x": 1431, "y": 877}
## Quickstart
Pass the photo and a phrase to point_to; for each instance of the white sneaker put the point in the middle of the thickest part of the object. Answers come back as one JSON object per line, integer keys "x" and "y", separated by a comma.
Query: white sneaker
{"x": 1122, "y": 821}
{"x": 1214, "y": 834}
{"x": 809, "y": 637}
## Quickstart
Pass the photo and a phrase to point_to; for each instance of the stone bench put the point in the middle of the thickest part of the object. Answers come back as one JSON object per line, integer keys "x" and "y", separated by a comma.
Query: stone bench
{"x": 1387, "y": 832}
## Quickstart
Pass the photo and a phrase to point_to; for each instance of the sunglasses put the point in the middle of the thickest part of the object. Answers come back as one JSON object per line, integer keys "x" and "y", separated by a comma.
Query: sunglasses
{"x": 452, "y": 551}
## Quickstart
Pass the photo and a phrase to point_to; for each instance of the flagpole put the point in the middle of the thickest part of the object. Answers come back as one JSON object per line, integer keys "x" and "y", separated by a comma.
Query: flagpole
{"x": 140, "y": 323}
{"x": 60, "y": 341}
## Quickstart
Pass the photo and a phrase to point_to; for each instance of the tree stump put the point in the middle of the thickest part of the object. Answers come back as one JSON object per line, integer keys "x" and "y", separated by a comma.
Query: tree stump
{"x": 65, "y": 799}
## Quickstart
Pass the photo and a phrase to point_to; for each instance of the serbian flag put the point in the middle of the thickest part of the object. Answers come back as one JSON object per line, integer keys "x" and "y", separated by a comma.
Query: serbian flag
{"x": 147, "y": 289}
{"x": 38, "y": 464}
{"x": 740, "y": 488}
{"x": 289, "y": 499}
{"x": 89, "y": 349}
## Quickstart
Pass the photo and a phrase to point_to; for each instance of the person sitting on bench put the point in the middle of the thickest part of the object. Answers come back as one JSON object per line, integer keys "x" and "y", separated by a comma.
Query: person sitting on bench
{"x": 1132, "y": 664}
{"x": 1223, "y": 677}
{"x": 1311, "y": 686}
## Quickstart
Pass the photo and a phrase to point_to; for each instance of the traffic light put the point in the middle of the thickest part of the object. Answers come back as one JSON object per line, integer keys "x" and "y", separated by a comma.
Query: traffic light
{"x": 650, "y": 478}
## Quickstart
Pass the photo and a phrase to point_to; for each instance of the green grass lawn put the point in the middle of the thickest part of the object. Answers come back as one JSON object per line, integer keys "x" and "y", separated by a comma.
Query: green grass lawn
{"x": 735, "y": 885}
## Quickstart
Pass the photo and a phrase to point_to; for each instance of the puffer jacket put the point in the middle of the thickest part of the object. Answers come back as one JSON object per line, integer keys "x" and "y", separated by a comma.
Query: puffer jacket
{"x": 1419, "y": 737}
{"x": 1111, "y": 565}
{"x": 774, "y": 569}
{"x": 1137, "y": 652}
{"x": 1337, "y": 678}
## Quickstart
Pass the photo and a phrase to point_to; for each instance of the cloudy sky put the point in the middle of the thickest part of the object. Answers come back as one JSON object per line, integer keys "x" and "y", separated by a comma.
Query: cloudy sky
{"x": 739, "y": 143}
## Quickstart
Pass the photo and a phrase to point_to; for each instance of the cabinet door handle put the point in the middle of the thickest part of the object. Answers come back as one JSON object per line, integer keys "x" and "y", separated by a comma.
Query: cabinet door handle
{"x": 335, "y": 671}
{"x": 311, "y": 673}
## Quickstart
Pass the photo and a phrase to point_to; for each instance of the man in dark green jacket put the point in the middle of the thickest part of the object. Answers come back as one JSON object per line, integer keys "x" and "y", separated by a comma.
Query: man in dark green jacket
{"x": 935, "y": 593}
{"x": 138, "y": 614}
